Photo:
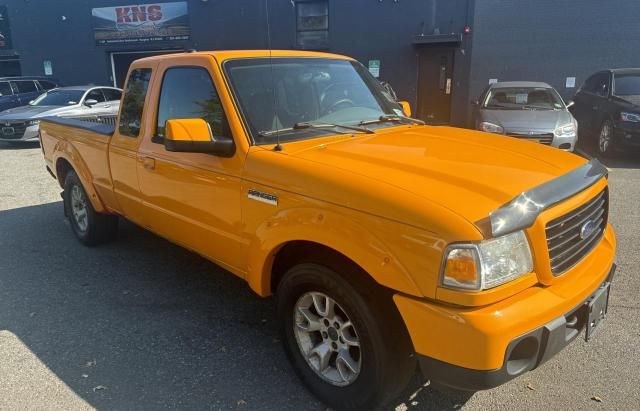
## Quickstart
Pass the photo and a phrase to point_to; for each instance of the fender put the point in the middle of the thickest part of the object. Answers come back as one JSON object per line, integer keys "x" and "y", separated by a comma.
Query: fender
{"x": 341, "y": 233}
{"x": 66, "y": 151}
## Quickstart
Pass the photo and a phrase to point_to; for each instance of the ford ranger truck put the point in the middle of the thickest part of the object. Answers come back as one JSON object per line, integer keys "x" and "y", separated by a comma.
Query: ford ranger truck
{"x": 387, "y": 243}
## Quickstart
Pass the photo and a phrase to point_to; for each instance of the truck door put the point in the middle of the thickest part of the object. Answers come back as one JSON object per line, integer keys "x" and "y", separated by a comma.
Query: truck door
{"x": 123, "y": 147}
{"x": 192, "y": 198}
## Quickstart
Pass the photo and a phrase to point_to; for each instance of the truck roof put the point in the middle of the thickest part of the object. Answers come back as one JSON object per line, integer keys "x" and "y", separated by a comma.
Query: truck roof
{"x": 222, "y": 55}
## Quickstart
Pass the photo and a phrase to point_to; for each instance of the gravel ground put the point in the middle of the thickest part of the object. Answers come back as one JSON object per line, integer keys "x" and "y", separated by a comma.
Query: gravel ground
{"x": 143, "y": 324}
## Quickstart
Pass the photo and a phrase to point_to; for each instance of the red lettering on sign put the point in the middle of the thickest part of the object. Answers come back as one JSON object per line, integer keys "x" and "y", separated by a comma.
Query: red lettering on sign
{"x": 154, "y": 13}
{"x": 122, "y": 14}
{"x": 138, "y": 13}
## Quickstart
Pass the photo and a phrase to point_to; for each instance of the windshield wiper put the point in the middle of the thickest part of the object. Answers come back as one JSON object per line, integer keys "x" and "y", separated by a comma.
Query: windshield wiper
{"x": 306, "y": 125}
{"x": 390, "y": 118}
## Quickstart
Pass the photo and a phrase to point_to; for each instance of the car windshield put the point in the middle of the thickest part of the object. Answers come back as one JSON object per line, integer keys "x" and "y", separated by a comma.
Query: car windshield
{"x": 277, "y": 94}
{"x": 523, "y": 98}
{"x": 58, "y": 98}
{"x": 627, "y": 85}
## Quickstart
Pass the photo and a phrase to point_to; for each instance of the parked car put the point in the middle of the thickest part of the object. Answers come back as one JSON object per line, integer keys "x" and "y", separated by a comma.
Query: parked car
{"x": 19, "y": 91}
{"x": 607, "y": 108}
{"x": 387, "y": 243}
{"x": 527, "y": 110}
{"x": 84, "y": 102}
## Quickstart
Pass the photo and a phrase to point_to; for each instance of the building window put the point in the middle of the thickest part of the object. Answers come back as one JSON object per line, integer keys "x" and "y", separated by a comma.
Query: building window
{"x": 312, "y": 24}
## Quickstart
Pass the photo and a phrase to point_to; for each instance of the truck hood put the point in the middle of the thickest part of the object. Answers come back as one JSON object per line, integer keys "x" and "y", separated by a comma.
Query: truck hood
{"x": 467, "y": 172}
{"x": 529, "y": 120}
{"x": 32, "y": 112}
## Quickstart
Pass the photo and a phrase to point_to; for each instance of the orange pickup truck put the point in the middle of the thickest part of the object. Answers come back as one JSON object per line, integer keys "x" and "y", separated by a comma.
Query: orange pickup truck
{"x": 387, "y": 243}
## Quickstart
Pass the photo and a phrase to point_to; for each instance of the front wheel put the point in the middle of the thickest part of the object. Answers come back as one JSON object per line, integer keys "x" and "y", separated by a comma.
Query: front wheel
{"x": 90, "y": 227}
{"x": 605, "y": 139}
{"x": 345, "y": 340}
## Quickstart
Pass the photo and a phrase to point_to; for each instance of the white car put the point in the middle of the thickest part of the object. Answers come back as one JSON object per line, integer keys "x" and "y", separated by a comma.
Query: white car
{"x": 96, "y": 104}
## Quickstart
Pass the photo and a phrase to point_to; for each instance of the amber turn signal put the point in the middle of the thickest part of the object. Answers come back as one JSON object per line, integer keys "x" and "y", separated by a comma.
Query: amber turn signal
{"x": 462, "y": 269}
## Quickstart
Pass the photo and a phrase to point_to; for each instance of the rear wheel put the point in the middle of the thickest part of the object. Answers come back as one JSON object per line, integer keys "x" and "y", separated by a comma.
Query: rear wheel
{"x": 90, "y": 227}
{"x": 344, "y": 339}
{"x": 605, "y": 139}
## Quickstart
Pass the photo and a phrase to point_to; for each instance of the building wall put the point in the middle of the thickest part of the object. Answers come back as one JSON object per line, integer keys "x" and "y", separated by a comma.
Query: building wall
{"x": 550, "y": 40}
{"x": 365, "y": 29}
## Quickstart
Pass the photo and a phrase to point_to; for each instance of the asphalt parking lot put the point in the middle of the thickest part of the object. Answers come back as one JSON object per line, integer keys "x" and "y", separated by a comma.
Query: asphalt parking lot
{"x": 143, "y": 324}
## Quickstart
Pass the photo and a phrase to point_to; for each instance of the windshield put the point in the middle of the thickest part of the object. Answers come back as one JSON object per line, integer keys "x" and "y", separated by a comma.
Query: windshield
{"x": 627, "y": 85}
{"x": 523, "y": 98}
{"x": 58, "y": 98}
{"x": 290, "y": 91}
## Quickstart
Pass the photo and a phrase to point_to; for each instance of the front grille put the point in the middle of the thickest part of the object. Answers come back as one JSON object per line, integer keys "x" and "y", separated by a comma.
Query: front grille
{"x": 566, "y": 240}
{"x": 542, "y": 138}
{"x": 13, "y": 130}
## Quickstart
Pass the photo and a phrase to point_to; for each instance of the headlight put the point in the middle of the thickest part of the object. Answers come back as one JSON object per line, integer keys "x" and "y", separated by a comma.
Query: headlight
{"x": 631, "y": 117}
{"x": 487, "y": 264}
{"x": 33, "y": 122}
{"x": 566, "y": 131}
{"x": 491, "y": 128}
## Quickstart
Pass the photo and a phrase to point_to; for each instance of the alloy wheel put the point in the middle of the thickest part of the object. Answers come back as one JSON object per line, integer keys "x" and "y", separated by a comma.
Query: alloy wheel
{"x": 79, "y": 208}
{"x": 604, "y": 140}
{"x": 327, "y": 338}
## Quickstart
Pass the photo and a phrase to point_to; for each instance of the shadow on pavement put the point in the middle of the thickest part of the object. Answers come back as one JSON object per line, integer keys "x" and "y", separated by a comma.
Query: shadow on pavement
{"x": 155, "y": 325}
{"x": 23, "y": 145}
{"x": 622, "y": 159}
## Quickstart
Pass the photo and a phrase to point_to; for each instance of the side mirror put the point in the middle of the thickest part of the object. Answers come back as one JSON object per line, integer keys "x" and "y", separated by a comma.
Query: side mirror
{"x": 90, "y": 102}
{"x": 475, "y": 102}
{"x": 193, "y": 135}
{"x": 570, "y": 104}
{"x": 406, "y": 107}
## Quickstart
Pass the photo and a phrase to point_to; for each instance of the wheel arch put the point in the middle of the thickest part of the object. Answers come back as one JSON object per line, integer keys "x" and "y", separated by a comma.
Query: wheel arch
{"x": 361, "y": 252}
{"x": 64, "y": 164}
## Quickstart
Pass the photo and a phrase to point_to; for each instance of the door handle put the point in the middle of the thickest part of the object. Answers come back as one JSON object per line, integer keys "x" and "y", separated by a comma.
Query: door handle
{"x": 149, "y": 163}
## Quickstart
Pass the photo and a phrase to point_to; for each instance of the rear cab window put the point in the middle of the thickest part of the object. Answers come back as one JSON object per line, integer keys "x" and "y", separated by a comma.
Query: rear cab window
{"x": 189, "y": 92}
{"x": 133, "y": 104}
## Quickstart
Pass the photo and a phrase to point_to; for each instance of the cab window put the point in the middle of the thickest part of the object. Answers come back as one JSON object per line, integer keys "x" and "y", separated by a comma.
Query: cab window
{"x": 188, "y": 92}
{"x": 133, "y": 104}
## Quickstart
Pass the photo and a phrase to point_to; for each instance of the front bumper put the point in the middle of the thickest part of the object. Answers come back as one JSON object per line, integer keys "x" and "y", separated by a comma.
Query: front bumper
{"x": 523, "y": 353}
{"x": 29, "y": 133}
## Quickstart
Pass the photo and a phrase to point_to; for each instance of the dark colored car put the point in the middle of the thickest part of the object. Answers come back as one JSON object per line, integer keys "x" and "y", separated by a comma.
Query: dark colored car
{"x": 19, "y": 91}
{"x": 607, "y": 108}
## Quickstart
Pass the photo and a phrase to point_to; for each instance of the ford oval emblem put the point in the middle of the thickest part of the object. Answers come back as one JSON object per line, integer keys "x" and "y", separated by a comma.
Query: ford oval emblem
{"x": 587, "y": 229}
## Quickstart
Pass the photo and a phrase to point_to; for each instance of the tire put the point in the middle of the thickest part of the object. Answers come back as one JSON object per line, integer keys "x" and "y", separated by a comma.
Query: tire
{"x": 382, "y": 363}
{"x": 90, "y": 228}
{"x": 605, "y": 140}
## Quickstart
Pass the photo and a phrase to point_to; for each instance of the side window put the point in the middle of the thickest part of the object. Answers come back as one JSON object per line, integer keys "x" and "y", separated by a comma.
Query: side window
{"x": 189, "y": 93}
{"x": 5, "y": 88}
{"x": 133, "y": 104}
{"x": 26, "y": 86}
{"x": 47, "y": 85}
{"x": 112, "y": 94}
{"x": 95, "y": 94}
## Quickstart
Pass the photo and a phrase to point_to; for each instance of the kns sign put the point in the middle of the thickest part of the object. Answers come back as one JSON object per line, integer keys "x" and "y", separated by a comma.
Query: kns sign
{"x": 138, "y": 14}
